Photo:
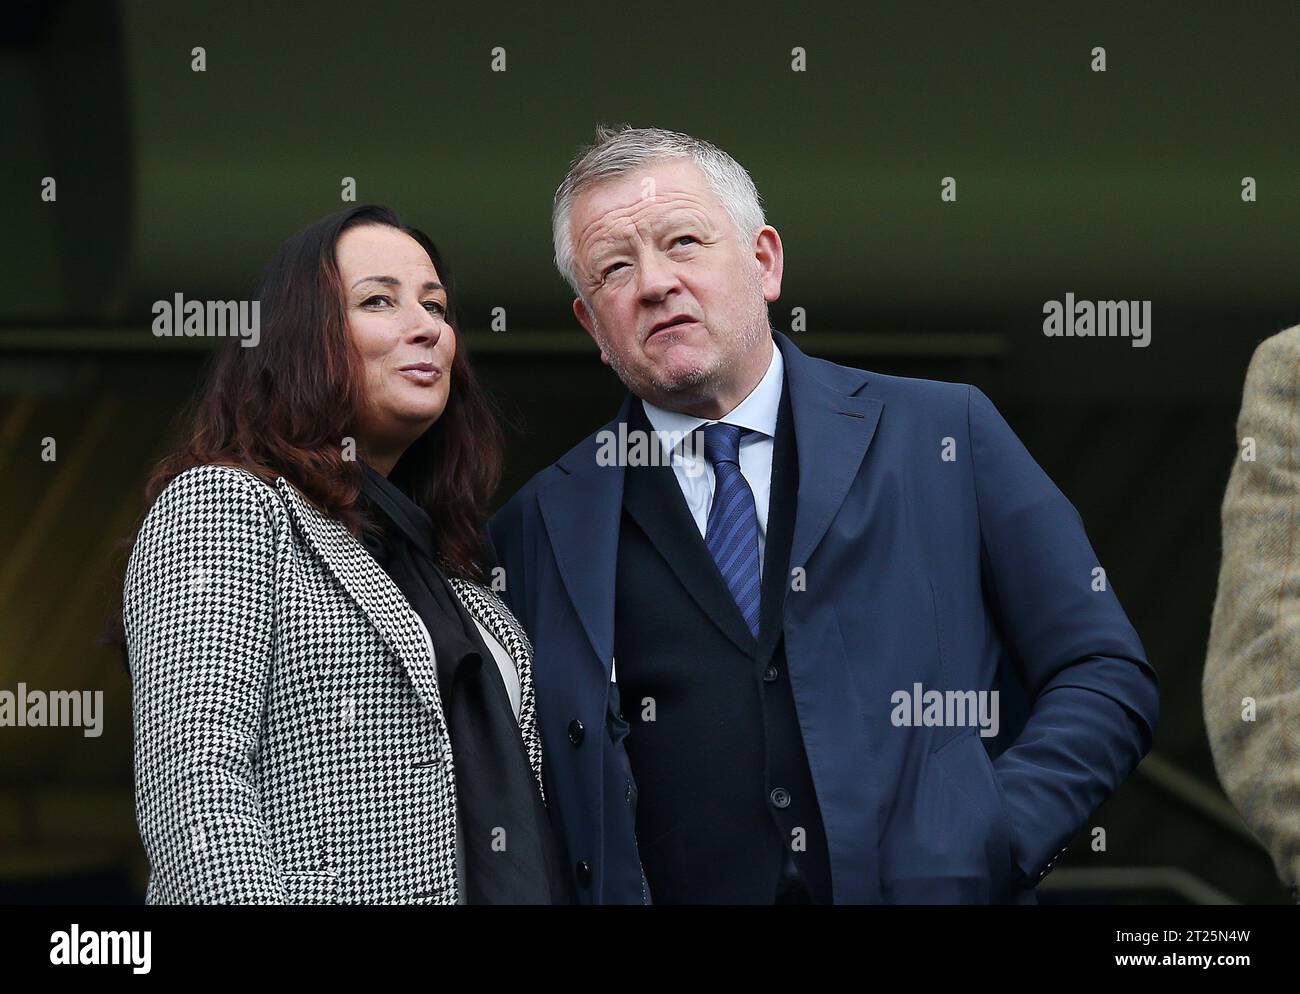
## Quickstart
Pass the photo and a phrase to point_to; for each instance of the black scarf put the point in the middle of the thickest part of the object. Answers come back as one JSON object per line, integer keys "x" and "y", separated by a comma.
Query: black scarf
{"x": 495, "y": 787}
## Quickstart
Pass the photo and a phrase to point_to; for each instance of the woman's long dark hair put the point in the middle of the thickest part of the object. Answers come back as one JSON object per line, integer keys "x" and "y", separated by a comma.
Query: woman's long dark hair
{"x": 284, "y": 407}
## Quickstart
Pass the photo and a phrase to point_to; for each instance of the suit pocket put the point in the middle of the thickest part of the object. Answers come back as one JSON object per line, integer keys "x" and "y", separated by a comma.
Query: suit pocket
{"x": 948, "y": 841}
{"x": 311, "y": 887}
{"x": 967, "y": 765}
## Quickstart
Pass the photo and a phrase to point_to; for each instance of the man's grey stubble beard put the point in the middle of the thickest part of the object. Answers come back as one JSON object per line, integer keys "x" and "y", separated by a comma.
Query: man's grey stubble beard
{"x": 686, "y": 385}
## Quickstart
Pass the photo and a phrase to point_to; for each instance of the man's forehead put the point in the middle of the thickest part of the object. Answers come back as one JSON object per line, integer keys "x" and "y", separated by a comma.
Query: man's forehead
{"x": 653, "y": 193}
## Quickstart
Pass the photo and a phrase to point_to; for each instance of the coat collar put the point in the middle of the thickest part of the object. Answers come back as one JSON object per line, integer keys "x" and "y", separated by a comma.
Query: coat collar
{"x": 386, "y": 608}
{"x": 370, "y": 587}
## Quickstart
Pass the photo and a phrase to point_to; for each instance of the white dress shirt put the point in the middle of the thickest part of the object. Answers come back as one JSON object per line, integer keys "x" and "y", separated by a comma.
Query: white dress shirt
{"x": 695, "y": 474}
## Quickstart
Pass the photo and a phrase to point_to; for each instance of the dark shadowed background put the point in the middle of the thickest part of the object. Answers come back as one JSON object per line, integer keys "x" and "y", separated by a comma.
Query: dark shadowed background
{"x": 1123, "y": 184}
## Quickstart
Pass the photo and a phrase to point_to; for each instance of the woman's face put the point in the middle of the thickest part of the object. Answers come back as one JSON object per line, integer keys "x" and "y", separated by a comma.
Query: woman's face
{"x": 397, "y": 317}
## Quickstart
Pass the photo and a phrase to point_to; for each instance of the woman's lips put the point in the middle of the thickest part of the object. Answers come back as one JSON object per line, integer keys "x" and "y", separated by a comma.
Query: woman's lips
{"x": 423, "y": 375}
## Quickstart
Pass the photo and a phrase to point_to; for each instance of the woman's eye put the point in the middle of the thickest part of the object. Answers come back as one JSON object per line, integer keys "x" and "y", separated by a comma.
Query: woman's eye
{"x": 613, "y": 268}
{"x": 683, "y": 238}
{"x": 434, "y": 307}
{"x": 371, "y": 300}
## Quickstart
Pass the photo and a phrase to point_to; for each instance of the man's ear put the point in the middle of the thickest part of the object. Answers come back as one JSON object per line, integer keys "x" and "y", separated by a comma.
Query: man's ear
{"x": 771, "y": 261}
{"x": 588, "y": 324}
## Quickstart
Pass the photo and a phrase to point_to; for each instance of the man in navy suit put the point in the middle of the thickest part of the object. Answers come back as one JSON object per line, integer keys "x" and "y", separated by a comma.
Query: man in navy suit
{"x": 771, "y": 600}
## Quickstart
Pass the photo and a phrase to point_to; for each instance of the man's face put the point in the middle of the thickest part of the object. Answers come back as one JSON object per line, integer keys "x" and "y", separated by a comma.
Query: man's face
{"x": 673, "y": 297}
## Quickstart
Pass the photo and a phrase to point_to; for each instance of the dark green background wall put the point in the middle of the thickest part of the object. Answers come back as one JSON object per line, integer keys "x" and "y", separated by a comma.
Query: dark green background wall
{"x": 1123, "y": 184}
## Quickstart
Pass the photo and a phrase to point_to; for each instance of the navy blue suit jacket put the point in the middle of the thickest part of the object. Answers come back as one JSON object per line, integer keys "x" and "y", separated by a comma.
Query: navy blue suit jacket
{"x": 929, "y": 548}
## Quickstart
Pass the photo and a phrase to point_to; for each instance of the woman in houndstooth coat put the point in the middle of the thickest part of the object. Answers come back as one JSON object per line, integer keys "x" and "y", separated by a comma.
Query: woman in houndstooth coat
{"x": 317, "y": 716}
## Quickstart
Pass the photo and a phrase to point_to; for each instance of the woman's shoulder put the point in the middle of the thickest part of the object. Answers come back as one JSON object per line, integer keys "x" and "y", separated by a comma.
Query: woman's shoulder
{"x": 207, "y": 518}
{"x": 216, "y": 492}
{"x": 218, "y": 476}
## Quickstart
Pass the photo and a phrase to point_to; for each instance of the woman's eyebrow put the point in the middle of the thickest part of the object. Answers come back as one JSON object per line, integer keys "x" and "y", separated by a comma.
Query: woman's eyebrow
{"x": 394, "y": 281}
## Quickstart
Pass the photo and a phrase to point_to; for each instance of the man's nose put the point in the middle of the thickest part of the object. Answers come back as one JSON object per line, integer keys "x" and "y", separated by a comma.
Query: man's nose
{"x": 656, "y": 278}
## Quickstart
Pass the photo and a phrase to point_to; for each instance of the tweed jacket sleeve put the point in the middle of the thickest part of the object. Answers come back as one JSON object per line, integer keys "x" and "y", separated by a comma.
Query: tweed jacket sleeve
{"x": 199, "y": 611}
{"x": 1251, "y": 685}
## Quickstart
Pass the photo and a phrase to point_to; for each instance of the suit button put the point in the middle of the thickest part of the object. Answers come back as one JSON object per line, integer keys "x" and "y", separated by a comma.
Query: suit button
{"x": 575, "y": 732}
{"x": 780, "y": 797}
{"x": 583, "y": 870}
{"x": 769, "y": 674}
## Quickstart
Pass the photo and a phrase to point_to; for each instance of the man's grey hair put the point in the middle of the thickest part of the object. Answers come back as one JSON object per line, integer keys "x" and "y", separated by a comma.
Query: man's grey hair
{"x": 621, "y": 150}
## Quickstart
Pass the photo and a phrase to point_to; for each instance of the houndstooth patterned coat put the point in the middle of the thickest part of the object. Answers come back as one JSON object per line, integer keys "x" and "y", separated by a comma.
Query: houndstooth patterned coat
{"x": 290, "y": 746}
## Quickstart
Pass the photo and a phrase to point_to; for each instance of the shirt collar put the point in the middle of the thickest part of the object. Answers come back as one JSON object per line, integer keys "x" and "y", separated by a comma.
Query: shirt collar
{"x": 756, "y": 412}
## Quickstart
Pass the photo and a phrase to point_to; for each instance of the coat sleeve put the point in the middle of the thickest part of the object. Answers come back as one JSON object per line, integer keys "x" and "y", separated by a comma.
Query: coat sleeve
{"x": 1094, "y": 697}
{"x": 199, "y": 613}
{"x": 1251, "y": 684}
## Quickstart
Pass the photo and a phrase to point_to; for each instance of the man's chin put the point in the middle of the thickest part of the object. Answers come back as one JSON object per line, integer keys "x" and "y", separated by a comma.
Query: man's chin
{"x": 680, "y": 360}
{"x": 682, "y": 383}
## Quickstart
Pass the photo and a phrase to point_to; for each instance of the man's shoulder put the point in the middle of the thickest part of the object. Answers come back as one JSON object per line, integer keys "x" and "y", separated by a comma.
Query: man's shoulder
{"x": 913, "y": 393}
{"x": 526, "y": 496}
{"x": 1274, "y": 359}
{"x": 885, "y": 386}
{"x": 1285, "y": 343}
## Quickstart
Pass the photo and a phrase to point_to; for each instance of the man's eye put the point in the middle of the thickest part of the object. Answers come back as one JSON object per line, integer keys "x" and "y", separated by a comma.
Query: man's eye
{"x": 684, "y": 238}
{"x": 617, "y": 265}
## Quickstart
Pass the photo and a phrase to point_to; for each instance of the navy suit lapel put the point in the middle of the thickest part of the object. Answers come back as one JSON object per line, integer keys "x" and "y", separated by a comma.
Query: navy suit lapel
{"x": 781, "y": 511}
{"x": 582, "y": 511}
{"x": 837, "y": 426}
{"x": 655, "y": 501}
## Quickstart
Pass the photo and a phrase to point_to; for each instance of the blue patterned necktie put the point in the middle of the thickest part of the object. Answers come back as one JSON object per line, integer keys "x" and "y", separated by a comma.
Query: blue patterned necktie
{"x": 732, "y": 530}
